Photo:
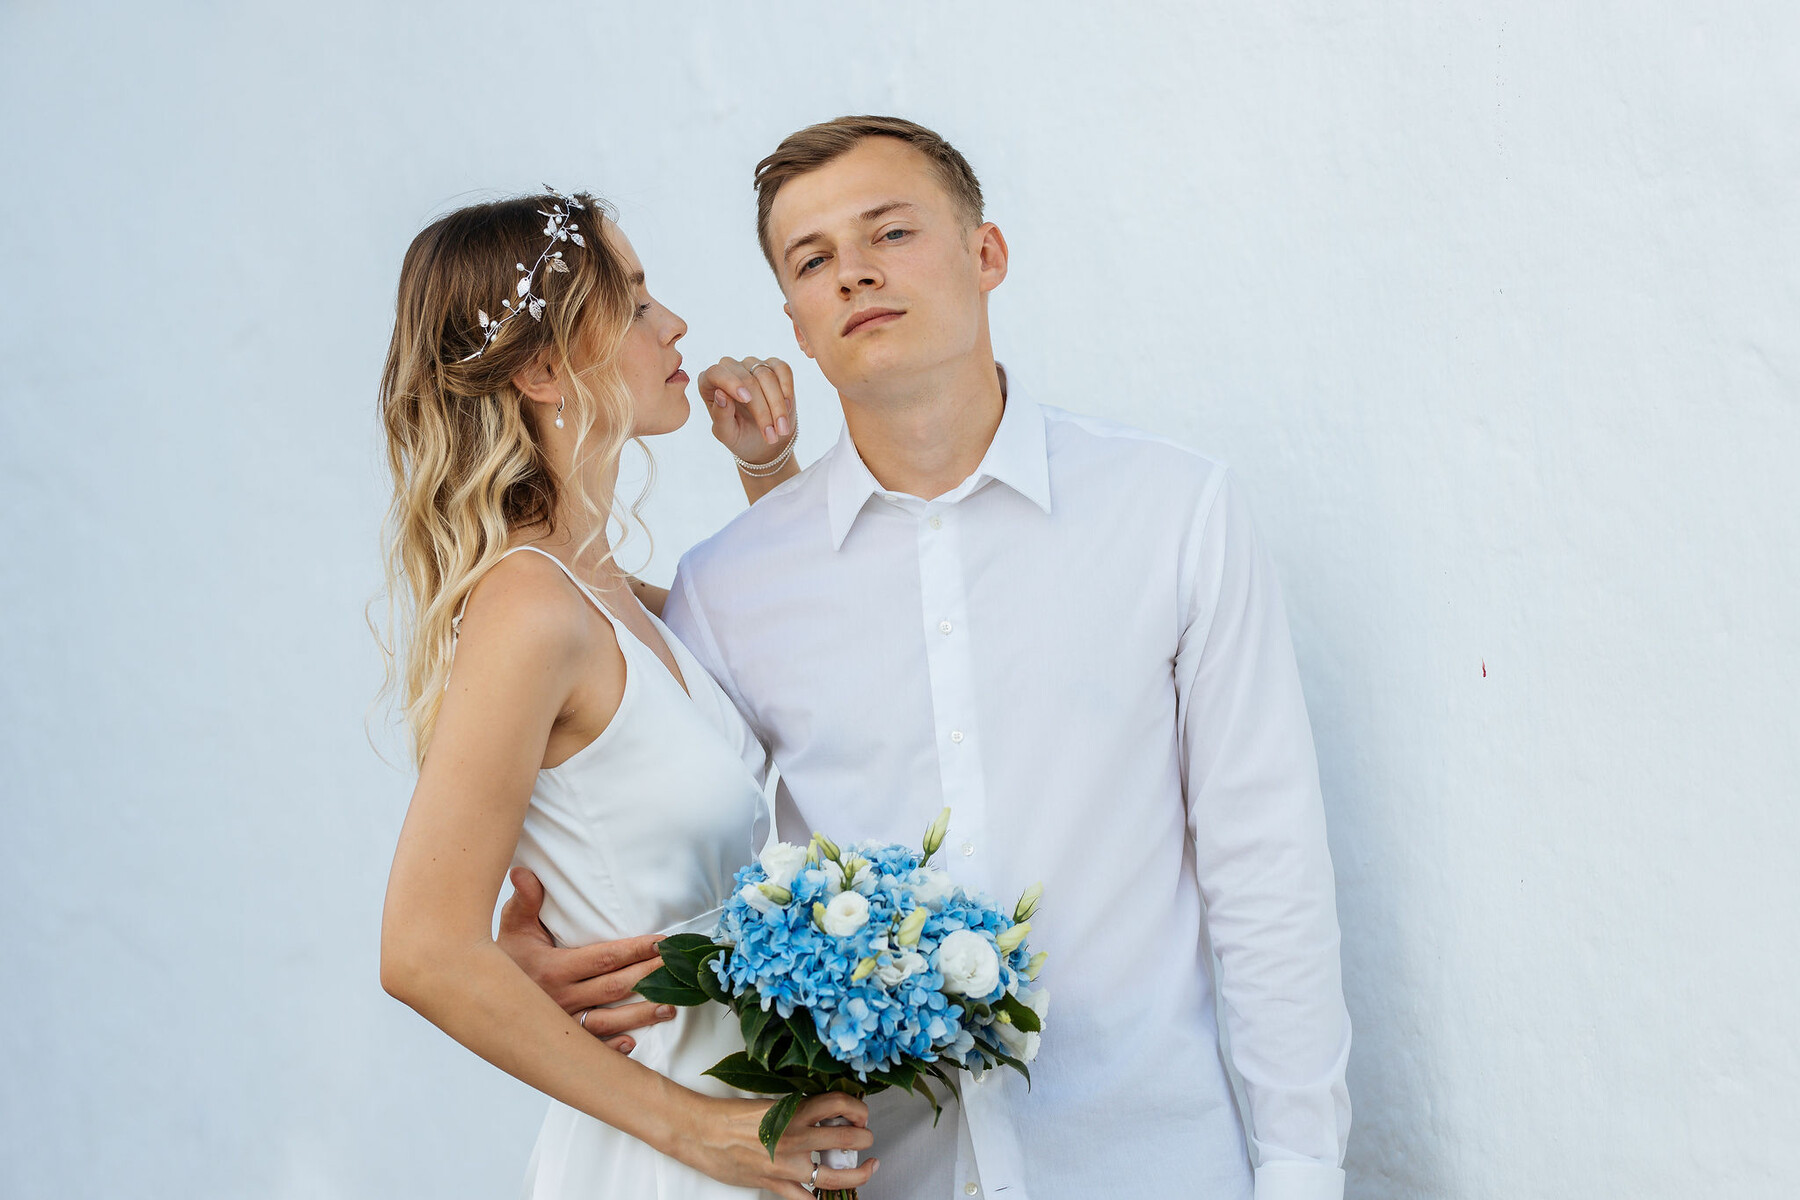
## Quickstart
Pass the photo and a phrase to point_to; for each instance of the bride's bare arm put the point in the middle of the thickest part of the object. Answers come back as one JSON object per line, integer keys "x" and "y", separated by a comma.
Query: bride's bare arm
{"x": 522, "y": 653}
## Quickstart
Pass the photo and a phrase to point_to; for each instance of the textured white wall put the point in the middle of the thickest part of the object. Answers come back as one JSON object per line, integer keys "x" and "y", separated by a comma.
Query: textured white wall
{"x": 1497, "y": 309}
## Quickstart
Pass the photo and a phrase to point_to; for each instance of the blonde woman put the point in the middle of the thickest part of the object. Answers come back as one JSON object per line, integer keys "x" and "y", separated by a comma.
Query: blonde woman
{"x": 557, "y": 724}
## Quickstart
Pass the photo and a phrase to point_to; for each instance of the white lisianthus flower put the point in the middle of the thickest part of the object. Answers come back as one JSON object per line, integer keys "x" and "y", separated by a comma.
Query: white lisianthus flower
{"x": 847, "y": 913}
{"x": 969, "y": 964}
{"x": 782, "y": 862}
{"x": 907, "y": 964}
{"x": 1021, "y": 1045}
{"x": 754, "y": 896}
{"x": 931, "y": 887}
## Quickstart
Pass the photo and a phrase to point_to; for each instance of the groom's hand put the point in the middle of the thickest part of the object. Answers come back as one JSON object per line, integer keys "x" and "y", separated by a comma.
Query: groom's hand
{"x": 585, "y": 978}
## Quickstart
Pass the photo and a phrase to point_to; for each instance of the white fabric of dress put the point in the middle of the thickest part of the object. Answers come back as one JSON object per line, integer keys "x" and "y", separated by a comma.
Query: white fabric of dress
{"x": 641, "y": 831}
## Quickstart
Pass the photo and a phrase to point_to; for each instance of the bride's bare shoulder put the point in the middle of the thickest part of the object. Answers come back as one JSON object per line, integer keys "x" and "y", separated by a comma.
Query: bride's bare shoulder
{"x": 526, "y": 604}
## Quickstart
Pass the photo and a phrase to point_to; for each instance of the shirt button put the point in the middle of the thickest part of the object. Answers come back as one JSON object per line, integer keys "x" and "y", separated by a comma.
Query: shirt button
{"x": 944, "y": 627}
{"x": 956, "y": 735}
{"x": 970, "y": 1189}
{"x": 968, "y": 849}
{"x": 936, "y": 522}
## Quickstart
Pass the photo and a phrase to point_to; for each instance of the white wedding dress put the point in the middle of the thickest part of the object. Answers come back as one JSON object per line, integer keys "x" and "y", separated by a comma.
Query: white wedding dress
{"x": 640, "y": 831}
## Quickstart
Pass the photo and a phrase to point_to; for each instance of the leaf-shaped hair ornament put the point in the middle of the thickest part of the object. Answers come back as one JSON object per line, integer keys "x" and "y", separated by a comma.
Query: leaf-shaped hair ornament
{"x": 558, "y": 227}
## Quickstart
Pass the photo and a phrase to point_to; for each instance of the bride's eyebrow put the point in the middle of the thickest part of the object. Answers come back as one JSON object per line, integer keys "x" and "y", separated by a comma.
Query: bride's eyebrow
{"x": 636, "y": 279}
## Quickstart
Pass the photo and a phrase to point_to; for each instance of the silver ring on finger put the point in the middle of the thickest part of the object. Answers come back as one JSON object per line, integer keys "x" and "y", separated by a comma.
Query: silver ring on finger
{"x": 813, "y": 1183}
{"x": 765, "y": 367}
{"x": 582, "y": 1020}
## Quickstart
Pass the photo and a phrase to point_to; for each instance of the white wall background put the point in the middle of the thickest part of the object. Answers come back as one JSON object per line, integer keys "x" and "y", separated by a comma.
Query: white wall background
{"x": 1496, "y": 307}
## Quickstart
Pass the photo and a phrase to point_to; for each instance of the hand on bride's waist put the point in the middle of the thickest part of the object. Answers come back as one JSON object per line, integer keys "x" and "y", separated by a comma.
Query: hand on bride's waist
{"x": 588, "y": 982}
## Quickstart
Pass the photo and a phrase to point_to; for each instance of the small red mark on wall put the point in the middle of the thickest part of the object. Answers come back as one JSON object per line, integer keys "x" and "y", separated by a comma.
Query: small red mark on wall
{"x": 1484, "y": 668}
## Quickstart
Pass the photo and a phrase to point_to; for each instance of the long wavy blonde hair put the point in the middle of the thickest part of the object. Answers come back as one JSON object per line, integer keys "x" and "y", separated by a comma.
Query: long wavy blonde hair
{"x": 469, "y": 470}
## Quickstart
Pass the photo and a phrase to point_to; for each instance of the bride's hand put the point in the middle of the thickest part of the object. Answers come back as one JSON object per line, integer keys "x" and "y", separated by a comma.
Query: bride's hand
{"x": 751, "y": 401}
{"x": 724, "y": 1144}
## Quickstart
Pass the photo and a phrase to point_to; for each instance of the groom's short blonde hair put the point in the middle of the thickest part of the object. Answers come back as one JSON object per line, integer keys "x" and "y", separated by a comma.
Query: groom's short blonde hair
{"x": 816, "y": 145}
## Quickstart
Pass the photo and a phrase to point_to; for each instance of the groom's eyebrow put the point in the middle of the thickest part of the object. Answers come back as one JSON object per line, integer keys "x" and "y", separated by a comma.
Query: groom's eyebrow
{"x": 879, "y": 211}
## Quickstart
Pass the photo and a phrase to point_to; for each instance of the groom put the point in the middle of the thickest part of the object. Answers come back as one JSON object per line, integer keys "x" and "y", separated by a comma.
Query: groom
{"x": 1066, "y": 631}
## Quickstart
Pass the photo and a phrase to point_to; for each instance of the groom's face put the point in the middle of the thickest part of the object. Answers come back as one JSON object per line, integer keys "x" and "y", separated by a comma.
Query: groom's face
{"x": 885, "y": 278}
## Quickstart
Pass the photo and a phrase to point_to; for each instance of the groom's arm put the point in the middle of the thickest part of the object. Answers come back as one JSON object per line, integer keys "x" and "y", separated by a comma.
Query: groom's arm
{"x": 1258, "y": 826}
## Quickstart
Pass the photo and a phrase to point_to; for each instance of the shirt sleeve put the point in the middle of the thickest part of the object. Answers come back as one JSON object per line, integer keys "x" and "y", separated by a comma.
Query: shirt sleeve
{"x": 1257, "y": 820}
{"x": 687, "y": 620}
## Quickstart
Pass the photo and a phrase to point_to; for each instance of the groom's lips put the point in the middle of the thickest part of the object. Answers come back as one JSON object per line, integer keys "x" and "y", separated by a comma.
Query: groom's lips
{"x": 858, "y": 320}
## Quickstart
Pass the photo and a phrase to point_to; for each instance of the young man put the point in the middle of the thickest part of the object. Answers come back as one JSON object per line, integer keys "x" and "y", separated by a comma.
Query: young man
{"x": 1066, "y": 631}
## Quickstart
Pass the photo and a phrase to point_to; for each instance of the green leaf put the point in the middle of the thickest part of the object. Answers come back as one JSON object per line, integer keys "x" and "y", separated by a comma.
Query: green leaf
{"x": 1022, "y": 1016}
{"x": 1014, "y": 1063}
{"x": 752, "y": 1020}
{"x": 709, "y": 982}
{"x": 793, "y": 1056}
{"x": 738, "y": 1071}
{"x": 764, "y": 1047}
{"x": 775, "y": 1122}
{"x": 661, "y": 987}
{"x": 683, "y": 953}
{"x": 818, "y": 1058}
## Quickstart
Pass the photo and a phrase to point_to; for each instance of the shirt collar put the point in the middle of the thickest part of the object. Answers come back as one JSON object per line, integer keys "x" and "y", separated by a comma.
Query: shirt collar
{"x": 1018, "y": 457}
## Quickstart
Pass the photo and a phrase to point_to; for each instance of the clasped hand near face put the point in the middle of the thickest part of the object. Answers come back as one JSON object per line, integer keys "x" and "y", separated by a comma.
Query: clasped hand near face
{"x": 751, "y": 402}
{"x": 590, "y": 982}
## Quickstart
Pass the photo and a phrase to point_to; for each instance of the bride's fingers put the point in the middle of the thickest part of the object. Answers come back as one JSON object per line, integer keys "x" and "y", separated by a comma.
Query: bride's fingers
{"x": 777, "y": 398}
{"x": 815, "y": 1109}
{"x": 831, "y": 1179}
{"x": 604, "y": 1023}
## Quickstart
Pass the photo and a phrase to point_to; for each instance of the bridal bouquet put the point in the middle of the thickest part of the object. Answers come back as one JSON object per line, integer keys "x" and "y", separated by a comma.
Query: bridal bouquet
{"x": 857, "y": 970}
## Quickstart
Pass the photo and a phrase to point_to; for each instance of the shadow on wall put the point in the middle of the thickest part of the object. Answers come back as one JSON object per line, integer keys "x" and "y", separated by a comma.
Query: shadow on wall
{"x": 1381, "y": 853}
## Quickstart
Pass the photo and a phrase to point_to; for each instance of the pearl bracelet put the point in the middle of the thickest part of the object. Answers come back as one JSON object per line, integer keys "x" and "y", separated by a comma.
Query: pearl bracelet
{"x": 774, "y": 465}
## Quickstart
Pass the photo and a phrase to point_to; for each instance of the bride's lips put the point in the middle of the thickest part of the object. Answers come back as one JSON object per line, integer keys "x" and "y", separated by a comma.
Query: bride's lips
{"x": 868, "y": 316}
{"x": 679, "y": 376}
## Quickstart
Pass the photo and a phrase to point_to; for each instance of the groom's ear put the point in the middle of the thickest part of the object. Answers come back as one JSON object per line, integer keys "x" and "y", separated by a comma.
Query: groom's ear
{"x": 799, "y": 338}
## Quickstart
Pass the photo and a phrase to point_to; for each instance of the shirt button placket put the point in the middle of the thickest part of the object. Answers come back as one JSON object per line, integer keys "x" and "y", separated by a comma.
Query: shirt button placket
{"x": 944, "y": 623}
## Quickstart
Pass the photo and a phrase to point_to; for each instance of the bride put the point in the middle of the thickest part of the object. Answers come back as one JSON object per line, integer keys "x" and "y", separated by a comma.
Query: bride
{"x": 556, "y": 722}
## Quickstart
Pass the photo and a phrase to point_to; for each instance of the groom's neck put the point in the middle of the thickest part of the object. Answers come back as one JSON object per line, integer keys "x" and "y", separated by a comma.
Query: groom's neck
{"x": 925, "y": 435}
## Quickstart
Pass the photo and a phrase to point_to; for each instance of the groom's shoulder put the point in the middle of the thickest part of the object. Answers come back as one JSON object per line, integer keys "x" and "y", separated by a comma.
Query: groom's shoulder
{"x": 785, "y": 521}
{"x": 1110, "y": 451}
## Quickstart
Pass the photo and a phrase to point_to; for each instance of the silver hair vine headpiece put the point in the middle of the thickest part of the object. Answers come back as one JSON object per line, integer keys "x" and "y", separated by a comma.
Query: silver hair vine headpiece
{"x": 558, "y": 227}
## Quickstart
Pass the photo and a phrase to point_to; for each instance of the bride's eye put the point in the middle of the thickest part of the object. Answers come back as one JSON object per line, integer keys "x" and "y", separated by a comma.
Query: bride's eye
{"x": 641, "y": 310}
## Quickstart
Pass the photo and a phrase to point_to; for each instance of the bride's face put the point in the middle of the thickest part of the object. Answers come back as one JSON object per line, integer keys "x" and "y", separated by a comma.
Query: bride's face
{"x": 648, "y": 360}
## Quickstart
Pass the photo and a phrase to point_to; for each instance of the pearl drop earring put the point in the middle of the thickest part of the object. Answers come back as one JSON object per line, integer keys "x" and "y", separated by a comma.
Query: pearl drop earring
{"x": 559, "y": 407}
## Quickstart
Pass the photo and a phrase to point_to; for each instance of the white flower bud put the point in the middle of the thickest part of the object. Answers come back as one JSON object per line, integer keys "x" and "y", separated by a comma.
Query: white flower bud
{"x": 1009, "y": 941}
{"x": 1028, "y": 903}
{"x": 934, "y": 836}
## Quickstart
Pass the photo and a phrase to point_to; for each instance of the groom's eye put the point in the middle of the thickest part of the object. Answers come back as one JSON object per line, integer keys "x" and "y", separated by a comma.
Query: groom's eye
{"x": 894, "y": 235}
{"x": 810, "y": 263}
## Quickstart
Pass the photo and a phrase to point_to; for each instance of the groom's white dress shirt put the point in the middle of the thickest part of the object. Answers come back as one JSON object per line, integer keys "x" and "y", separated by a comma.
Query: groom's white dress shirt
{"x": 1082, "y": 650}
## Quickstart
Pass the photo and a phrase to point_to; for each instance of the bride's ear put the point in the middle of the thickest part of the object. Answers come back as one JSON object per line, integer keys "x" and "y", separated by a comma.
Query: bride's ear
{"x": 538, "y": 382}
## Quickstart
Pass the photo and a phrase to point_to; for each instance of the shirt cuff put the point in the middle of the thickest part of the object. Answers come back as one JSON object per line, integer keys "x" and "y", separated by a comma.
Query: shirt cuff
{"x": 1285, "y": 1180}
